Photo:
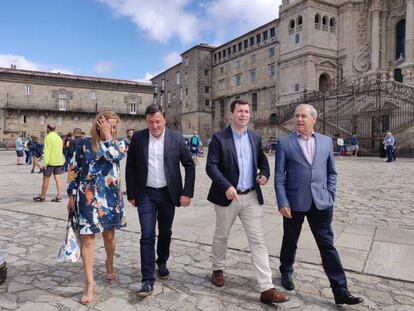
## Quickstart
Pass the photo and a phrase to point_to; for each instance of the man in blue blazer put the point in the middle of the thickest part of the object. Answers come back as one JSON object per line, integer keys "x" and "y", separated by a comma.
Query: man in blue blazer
{"x": 155, "y": 187}
{"x": 238, "y": 167}
{"x": 305, "y": 184}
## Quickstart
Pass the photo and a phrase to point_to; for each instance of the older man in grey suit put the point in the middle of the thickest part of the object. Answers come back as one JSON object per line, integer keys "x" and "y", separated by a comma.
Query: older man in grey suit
{"x": 305, "y": 184}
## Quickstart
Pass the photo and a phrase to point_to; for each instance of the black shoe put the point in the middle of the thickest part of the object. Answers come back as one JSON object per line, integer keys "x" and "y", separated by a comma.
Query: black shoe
{"x": 146, "y": 289}
{"x": 163, "y": 272}
{"x": 3, "y": 272}
{"x": 287, "y": 282}
{"x": 348, "y": 299}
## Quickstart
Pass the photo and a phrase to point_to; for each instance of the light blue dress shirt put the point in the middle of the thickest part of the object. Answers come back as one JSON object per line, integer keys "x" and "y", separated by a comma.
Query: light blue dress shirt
{"x": 245, "y": 160}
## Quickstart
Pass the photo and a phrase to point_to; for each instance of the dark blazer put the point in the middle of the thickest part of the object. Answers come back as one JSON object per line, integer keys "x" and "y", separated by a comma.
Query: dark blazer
{"x": 175, "y": 151}
{"x": 298, "y": 183}
{"x": 223, "y": 168}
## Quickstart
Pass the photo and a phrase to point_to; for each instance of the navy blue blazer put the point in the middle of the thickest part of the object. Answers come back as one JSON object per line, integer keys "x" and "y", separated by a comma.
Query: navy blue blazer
{"x": 297, "y": 182}
{"x": 223, "y": 168}
{"x": 175, "y": 151}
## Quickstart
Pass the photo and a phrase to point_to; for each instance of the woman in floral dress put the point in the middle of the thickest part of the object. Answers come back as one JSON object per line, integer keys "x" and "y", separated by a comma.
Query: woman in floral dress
{"x": 95, "y": 186}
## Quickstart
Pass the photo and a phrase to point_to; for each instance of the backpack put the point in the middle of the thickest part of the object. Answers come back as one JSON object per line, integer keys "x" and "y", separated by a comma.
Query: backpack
{"x": 194, "y": 141}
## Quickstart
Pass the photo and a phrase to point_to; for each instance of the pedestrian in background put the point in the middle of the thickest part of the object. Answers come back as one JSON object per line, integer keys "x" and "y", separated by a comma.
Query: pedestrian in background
{"x": 27, "y": 150}
{"x": 389, "y": 142}
{"x": 37, "y": 151}
{"x": 53, "y": 164}
{"x": 66, "y": 143}
{"x": 19, "y": 149}
{"x": 340, "y": 143}
{"x": 95, "y": 193}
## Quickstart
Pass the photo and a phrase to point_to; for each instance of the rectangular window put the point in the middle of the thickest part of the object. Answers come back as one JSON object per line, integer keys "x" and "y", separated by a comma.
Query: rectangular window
{"x": 28, "y": 90}
{"x": 42, "y": 120}
{"x": 271, "y": 70}
{"x": 265, "y": 35}
{"x": 254, "y": 101}
{"x": 23, "y": 120}
{"x": 228, "y": 51}
{"x": 258, "y": 38}
{"x": 24, "y": 134}
{"x": 238, "y": 80}
{"x": 240, "y": 46}
{"x": 246, "y": 44}
{"x": 222, "y": 69}
{"x": 206, "y": 72}
{"x": 42, "y": 135}
{"x": 271, "y": 52}
{"x": 132, "y": 108}
{"x": 253, "y": 75}
{"x": 206, "y": 89}
{"x": 62, "y": 104}
{"x": 221, "y": 84}
{"x": 162, "y": 85}
{"x": 186, "y": 76}
{"x": 252, "y": 58}
{"x": 224, "y": 53}
{"x": 186, "y": 61}
{"x": 234, "y": 49}
{"x": 219, "y": 55}
{"x": 169, "y": 97}
{"x": 215, "y": 57}
{"x": 272, "y": 32}
{"x": 75, "y": 120}
{"x": 237, "y": 63}
{"x": 59, "y": 120}
{"x": 181, "y": 93}
{"x": 178, "y": 78}
{"x": 161, "y": 100}
{"x": 297, "y": 87}
{"x": 155, "y": 88}
{"x": 251, "y": 41}
{"x": 93, "y": 95}
{"x": 207, "y": 102}
{"x": 297, "y": 38}
{"x": 186, "y": 91}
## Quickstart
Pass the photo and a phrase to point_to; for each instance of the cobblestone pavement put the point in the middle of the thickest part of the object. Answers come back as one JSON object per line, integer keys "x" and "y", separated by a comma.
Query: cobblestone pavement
{"x": 373, "y": 224}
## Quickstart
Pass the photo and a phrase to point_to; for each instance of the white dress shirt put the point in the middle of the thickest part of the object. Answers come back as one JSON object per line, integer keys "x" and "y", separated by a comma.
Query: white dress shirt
{"x": 156, "y": 173}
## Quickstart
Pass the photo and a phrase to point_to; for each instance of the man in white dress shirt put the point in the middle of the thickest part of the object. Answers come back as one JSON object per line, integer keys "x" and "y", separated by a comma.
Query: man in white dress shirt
{"x": 155, "y": 187}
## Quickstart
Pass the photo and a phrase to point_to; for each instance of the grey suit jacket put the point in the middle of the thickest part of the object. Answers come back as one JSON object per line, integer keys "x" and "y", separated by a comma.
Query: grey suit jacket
{"x": 298, "y": 183}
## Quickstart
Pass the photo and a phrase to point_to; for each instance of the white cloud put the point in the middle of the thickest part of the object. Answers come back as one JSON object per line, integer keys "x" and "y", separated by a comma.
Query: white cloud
{"x": 235, "y": 17}
{"x": 103, "y": 67}
{"x": 22, "y": 62}
{"x": 146, "y": 79}
{"x": 161, "y": 20}
{"x": 171, "y": 59}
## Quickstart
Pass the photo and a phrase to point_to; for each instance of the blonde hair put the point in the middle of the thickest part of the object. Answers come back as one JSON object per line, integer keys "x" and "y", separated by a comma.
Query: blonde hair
{"x": 94, "y": 131}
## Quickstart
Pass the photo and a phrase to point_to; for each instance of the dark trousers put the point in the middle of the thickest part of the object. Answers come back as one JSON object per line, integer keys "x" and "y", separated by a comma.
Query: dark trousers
{"x": 390, "y": 156}
{"x": 156, "y": 205}
{"x": 320, "y": 225}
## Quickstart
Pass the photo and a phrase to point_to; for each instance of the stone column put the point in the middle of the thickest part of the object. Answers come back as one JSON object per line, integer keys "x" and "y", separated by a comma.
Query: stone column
{"x": 407, "y": 68}
{"x": 375, "y": 37}
{"x": 409, "y": 32}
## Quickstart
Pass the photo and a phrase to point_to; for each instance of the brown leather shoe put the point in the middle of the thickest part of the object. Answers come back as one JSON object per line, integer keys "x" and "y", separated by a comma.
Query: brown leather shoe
{"x": 217, "y": 278}
{"x": 272, "y": 295}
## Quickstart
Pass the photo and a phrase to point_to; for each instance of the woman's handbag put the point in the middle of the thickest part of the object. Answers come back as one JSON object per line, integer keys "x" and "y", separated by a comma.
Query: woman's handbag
{"x": 70, "y": 251}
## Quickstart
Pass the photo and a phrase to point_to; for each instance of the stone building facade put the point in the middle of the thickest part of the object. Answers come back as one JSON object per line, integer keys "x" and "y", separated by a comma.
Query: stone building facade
{"x": 313, "y": 46}
{"x": 29, "y": 100}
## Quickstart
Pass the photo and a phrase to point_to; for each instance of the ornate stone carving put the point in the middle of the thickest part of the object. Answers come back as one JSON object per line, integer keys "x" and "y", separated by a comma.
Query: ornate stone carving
{"x": 361, "y": 61}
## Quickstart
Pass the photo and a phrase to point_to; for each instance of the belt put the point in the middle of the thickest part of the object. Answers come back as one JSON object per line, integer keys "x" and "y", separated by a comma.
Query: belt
{"x": 157, "y": 189}
{"x": 245, "y": 191}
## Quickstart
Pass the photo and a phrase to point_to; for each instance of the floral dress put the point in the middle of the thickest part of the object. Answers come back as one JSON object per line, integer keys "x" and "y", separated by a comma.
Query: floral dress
{"x": 95, "y": 179}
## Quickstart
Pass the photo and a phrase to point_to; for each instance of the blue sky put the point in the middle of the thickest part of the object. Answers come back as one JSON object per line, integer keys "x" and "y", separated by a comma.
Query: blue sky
{"x": 124, "y": 39}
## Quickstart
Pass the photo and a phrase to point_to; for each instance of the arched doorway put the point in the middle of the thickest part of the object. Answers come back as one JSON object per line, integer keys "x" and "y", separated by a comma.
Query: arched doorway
{"x": 273, "y": 119}
{"x": 400, "y": 39}
{"x": 323, "y": 82}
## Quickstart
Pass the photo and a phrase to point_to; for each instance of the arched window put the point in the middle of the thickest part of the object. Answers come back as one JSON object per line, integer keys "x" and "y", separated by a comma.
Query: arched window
{"x": 299, "y": 23}
{"x": 323, "y": 82}
{"x": 332, "y": 24}
{"x": 317, "y": 21}
{"x": 325, "y": 23}
{"x": 291, "y": 26}
{"x": 400, "y": 39}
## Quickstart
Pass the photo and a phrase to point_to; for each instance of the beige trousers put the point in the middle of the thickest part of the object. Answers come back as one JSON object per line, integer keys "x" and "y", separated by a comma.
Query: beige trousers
{"x": 250, "y": 213}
